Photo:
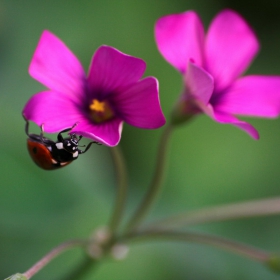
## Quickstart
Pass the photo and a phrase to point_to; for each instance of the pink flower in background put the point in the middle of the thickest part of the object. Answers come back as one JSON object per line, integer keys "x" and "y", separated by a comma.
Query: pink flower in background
{"x": 100, "y": 102}
{"x": 211, "y": 65}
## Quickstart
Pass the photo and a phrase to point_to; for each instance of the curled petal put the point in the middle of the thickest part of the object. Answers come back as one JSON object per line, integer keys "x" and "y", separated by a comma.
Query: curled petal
{"x": 230, "y": 47}
{"x": 199, "y": 83}
{"x": 139, "y": 105}
{"x": 257, "y": 96}
{"x": 107, "y": 133}
{"x": 56, "y": 67}
{"x": 113, "y": 71}
{"x": 225, "y": 118}
{"x": 53, "y": 109}
{"x": 180, "y": 38}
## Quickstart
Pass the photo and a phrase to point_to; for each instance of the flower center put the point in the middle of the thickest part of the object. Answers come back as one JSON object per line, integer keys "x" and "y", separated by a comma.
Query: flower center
{"x": 100, "y": 111}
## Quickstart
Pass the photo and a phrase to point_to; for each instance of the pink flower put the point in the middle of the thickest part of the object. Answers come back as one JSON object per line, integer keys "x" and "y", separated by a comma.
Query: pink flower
{"x": 100, "y": 102}
{"x": 211, "y": 66}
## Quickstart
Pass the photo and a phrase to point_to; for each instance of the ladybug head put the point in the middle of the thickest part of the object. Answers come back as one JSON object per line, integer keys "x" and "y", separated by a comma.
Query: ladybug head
{"x": 71, "y": 144}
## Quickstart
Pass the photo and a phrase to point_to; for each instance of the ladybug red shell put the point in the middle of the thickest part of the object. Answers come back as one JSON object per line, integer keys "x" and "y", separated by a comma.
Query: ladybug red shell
{"x": 49, "y": 154}
{"x": 42, "y": 156}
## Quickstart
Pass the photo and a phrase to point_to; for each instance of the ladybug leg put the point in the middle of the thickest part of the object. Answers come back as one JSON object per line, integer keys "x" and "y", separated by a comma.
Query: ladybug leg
{"x": 27, "y": 130}
{"x": 26, "y": 127}
{"x": 88, "y": 146}
{"x": 42, "y": 132}
{"x": 34, "y": 136}
{"x": 80, "y": 137}
{"x": 60, "y": 137}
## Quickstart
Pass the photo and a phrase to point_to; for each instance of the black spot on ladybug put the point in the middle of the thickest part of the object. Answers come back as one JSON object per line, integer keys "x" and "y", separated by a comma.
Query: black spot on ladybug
{"x": 34, "y": 150}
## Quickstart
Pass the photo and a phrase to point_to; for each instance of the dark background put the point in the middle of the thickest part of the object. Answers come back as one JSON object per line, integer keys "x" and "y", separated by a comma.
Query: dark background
{"x": 209, "y": 163}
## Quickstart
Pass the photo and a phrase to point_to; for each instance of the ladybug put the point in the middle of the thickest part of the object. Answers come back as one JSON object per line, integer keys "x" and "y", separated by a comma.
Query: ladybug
{"x": 50, "y": 155}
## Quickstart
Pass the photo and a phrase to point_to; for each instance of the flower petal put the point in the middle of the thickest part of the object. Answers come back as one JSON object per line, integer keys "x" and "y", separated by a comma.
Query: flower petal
{"x": 139, "y": 105}
{"x": 112, "y": 71}
{"x": 53, "y": 109}
{"x": 230, "y": 47}
{"x": 198, "y": 83}
{"x": 180, "y": 38}
{"x": 252, "y": 96}
{"x": 57, "y": 112}
{"x": 56, "y": 67}
{"x": 225, "y": 118}
{"x": 107, "y": 133}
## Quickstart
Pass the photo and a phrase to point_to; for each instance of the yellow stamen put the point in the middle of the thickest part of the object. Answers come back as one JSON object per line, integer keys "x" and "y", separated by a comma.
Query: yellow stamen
{"x": 97, "y": 106}
{"x": 100, "y": 111}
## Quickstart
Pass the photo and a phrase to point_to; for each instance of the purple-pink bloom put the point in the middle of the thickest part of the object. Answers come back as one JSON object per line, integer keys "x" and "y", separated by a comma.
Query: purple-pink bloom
{"x": 212, "y": 64}
{"x": 98, "y": 103}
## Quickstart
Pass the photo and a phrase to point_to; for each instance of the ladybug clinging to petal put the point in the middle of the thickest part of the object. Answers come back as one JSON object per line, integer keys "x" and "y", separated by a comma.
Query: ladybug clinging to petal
{"x": 50, "y": 155}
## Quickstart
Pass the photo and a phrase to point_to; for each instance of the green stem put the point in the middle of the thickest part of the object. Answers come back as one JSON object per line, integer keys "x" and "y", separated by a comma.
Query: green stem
{"x": 263, "y": 207}
{"x": 52, "y": 254}
{"x": 215, "y": 241}
{"x": 156, "y": 183}
{"x": 121, "y": 188}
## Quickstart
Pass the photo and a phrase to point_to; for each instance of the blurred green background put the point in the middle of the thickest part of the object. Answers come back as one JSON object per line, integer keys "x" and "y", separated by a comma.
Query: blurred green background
{"x": 209, "y": 163}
